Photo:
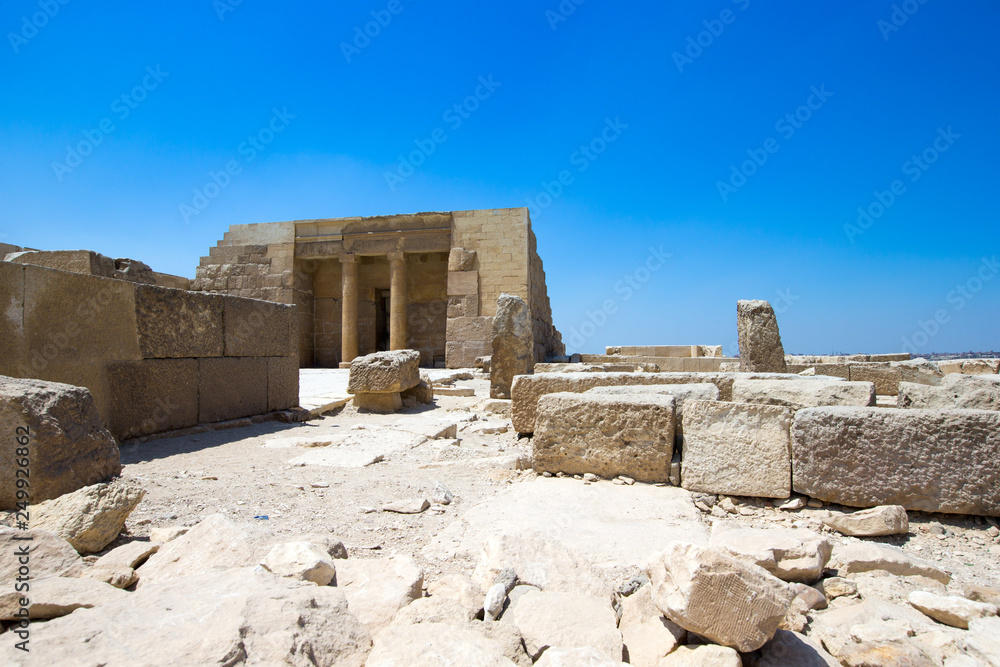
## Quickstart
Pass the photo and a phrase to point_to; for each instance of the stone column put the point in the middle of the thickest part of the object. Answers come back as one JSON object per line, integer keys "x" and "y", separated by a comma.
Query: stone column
{"x": 349, "y": 312}
{"x": 397, "y": 301}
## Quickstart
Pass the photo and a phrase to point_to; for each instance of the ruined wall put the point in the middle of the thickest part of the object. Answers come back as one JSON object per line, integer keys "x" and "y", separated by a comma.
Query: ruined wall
{"x": 154, "y": 358}
{"x": 426, "y": 313}
{"x": 548, "y": 340}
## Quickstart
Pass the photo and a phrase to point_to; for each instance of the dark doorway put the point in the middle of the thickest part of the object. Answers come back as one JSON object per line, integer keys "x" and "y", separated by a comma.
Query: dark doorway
{"x": 382, "y": 320}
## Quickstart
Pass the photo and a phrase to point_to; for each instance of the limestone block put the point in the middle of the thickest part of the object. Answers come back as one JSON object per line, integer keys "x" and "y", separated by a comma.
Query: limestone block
{"x": 920, "y": 371}
{"x": 873, "y": 522}
{"x": 759, "y": 339}
{"x": 951, "y": 609}
{"x": 231, "y": 387}
{"x": 87, "y": 319}
{"x": 385, "y": 372}
{"x": 972, "y": 392}
{"x": 730, "y": 602}
{"x": 464, "y": 354}
{"x": 382, "y": 403}
{"x": 89, "y": 518}
{"x": 282, "y": 383}
{"x": 704, "y": 391}
{"x": 737, "y": 449}
{"x": 12, "y": 343}
{"x": 513, "y": 344}
{"x": 68, "y": 445}
{"x": 461, "y": 329}
{"x": 886, "y": 378}
{"x": 176, "y": 324}
{"x": 980, "y": 366}
{"x": 377, "y": 588}
{"x": 257, "y": 328}
{"x": 58, "y": 596}
{"x": 51, "y": 555}
{"x": 706, "y": 655}
{"x": 556, "y": 656}
{"x": 460, "y": 259}
{"x": 646, "y": 632}
{"x": 791, "y": 554}
{"x": 463, "y": 283}
{"x": 607, "y": 435}
{"x": 797, "y": 394}
{"x": 857, "y": 557}
{"x": 300, "y": 560}
{"x": 926, "y": 460}
{"x": 85, "y": 262}
{"x": 566, "y": 620}
{"x": 152, "y": 396}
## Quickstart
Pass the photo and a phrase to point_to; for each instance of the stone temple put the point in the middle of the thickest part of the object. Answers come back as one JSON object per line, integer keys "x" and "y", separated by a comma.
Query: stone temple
{"x": 426, "y": 281}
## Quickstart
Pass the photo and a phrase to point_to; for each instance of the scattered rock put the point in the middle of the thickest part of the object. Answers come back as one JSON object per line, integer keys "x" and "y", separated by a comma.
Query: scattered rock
{"x": 576, "y": 657}
{"x": 647, "y": 634}
{"x": 951, "y": 609}
{"x": 434, "y": 645}
{"x": 53, "y": 597}
{"x": 51, "y": 555}
{"x": 70, "y": 447}
{"x": 707, "y": 655}
{"x": 164, "y": 535}
{"x": 385, "y": 372}
{"x": 130, "y": 555}
{"x": 442, "y": 495}
{"x": 791, "y": 554}
{"x": 795, "y": 503}
{"x": 874, "y": 522}
{"x": 495, "y": 599}
{"x": 89, "y": 518}
{"x": 117, "y": 575}
{"x": 378, "y": 588}
{"x": 871, "y": 557}
{"x": 725, "y": 599}
{"x": 300, "y": 560}
{"x": 566, "y": 620}
{"x": 433, "y": 610}
{"x": 411, "y": 506}
{"x": 459, "y": 588}
{"x": 835, "y": 587}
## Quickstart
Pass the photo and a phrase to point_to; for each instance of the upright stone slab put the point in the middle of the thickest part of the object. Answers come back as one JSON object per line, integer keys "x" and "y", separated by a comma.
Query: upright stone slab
{"x": 759, "y": 340}
{"x": 925, "y": 460}
{"x": 68, "y": 446}
{"x": 607, "y": 435}
{"x": 513, "y": 344}
{"x": 738, "y": 449}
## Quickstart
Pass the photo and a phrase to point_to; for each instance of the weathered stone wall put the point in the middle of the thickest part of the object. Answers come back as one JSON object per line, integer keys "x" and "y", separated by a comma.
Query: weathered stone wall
{"x": 154, "y": 358}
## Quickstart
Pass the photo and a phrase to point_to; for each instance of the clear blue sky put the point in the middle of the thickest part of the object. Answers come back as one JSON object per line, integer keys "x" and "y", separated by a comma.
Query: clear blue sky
{"x": 682, "y": 116}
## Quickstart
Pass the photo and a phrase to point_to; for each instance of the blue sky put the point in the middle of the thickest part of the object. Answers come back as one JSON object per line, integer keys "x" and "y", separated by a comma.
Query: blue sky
{"x": 738, "y": 137}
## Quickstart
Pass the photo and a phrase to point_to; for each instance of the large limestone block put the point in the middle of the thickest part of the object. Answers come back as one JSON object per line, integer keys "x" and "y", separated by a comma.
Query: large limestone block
{"x": 53, "y": 597}
{"x": 282, "y": 383}
{"x": 885, "y": 378}
{"x": 720, "y": 597}
{"x": 969, "y": 392}
{"x": 926, "y": 460}
{"x": 223, "y": 617}
{"x": 89, "y": 518}
{"x": 920, "y": 371}
{"x": 798, "y": 394}
{"x": 463, "y": 283}
{"x": 607, "y": 435}
{"x": 380, "y": 403}
{"x": 513, "y": 344}
{"x": 177, "y": 324}
{"x": 152, "y": 396}
{"x": 737, "y": 449}
{"x": 51, "y": 555}
{"x": 704, "y": 391}
{"x": 255, "y": 328}
{"x": 86, "y": 262}
{"x": 231, "y": 388}
{"x": 566, "y": 620}
{"x": 385, "y": 372}
{"x": 759, "y": 339}
{"x": 68, "y": 446}
{"x": 435, "y": 645}
{"x": 791, "y": 554}
{"x": 216, "y": 542}
{"x": 981, "y": 366}
{"x": 378, "y": 588}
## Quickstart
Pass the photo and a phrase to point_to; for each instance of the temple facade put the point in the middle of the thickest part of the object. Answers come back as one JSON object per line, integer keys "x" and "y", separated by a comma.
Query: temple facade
{"x": 426, "y": 281}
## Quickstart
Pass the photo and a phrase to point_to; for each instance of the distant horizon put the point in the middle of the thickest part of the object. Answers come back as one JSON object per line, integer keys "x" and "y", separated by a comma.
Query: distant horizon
{"x": 837, "y": 161}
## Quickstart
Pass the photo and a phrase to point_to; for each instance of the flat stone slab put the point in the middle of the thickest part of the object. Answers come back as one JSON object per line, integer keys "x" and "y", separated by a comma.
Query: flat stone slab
{"x": 926, "y": 460}
{"x": 805, "y": 393}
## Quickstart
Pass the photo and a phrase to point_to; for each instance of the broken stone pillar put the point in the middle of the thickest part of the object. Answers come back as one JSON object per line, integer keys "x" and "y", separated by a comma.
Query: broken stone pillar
{"x": 760, "y": 342}
{"x": 513, "y": 344}
{"x": 397, "y": 301}
{"x": 349, "y": 312}
{"x": 378, "y": 379}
